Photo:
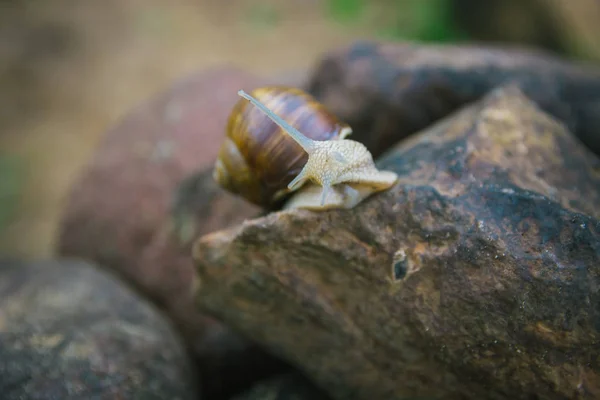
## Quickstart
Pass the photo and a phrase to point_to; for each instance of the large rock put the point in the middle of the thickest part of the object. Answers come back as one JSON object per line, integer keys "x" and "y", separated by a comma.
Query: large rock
{"x": 137, "y": 206}
{"x": 476, "y": 277}
{"x": 291, "y": 386}
{"x": 387, "y": 91}
{"x": 70, "y": 331}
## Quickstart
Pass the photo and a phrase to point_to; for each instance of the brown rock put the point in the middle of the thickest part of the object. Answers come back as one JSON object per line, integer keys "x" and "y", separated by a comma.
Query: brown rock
{"x": 70, "y": 331}
{"x": 475, "y": 277}
{"x": 135, "y": 209}
{"x": 387, "y": 91}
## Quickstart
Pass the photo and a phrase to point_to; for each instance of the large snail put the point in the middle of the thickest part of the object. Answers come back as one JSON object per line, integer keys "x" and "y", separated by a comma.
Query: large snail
{"x": 280, "y": 140}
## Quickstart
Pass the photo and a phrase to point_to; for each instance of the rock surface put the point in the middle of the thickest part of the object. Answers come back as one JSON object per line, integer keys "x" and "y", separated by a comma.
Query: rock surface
{"x": 70, "y": 331}
{"x": 476, "y": 276}
{"x": 136, "y": 208}
{"x": 387, "y": 91}
{"x": 290, "y": 386}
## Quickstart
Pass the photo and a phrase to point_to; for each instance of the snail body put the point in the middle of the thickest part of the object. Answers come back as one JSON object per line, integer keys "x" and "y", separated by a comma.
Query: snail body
{"x": 257, "y": 160}
{"x": 329, "y": 172}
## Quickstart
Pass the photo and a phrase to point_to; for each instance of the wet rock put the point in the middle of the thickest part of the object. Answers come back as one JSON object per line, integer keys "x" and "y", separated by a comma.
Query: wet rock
{"x": 387, "y": 91}
{"x": 291, "y": 386}
{"x": 70, "y": 331}
{"x": 476, "y": 276}
{"x": 141, "y": 200}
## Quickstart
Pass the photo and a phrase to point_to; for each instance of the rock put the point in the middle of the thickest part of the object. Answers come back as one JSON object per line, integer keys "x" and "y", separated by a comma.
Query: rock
{"x": 131, "y": 211}
{"x": 290, "y": 386}
{"x": 388, "y": 91}
{"x": 70, "y": 331}
{"x": 229, "y": 361}
{"x": 476, "y": 276}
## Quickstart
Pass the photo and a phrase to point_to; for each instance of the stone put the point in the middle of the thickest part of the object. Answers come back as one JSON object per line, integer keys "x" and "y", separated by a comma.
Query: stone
{"x": 135, "y": 210}
{"x": 476, "y": 276}
{"x": 71, "y": 331}
{"x": 388, "y": 91}
{"x": 291, "y": 386}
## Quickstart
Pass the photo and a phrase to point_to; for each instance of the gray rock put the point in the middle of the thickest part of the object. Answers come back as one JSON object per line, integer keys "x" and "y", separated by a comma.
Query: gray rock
{"x": 291, "y": 386}
{"x": 70, "y": 331}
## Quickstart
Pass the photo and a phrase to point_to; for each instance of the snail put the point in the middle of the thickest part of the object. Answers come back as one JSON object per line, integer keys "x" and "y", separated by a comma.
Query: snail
{"x": 265, "y": 158}
{"x": 257, "y": 160}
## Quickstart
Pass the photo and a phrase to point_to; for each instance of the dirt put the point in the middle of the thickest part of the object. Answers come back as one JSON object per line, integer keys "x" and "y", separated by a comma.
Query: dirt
{"x": 72, "y": 69}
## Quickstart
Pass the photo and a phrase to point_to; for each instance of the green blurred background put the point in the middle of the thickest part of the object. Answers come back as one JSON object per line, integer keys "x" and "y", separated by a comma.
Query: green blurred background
{"x": 70, "y": 68}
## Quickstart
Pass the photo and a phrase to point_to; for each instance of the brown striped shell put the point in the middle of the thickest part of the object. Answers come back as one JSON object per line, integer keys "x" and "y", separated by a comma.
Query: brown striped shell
{"x": 257, "y": 160}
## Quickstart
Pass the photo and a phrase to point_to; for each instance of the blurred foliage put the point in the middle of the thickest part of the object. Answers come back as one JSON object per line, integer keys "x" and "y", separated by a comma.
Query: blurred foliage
{"x": 566, "y": 27}
{"x": 11, "y": 180}
{"x": 263, "y": 16}
{"x": 421, "y": 20}
{"x": 346, "y": 10}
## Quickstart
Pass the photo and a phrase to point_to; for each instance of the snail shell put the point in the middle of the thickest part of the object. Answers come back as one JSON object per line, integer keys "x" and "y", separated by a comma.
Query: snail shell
{"x": 257, "y": 159}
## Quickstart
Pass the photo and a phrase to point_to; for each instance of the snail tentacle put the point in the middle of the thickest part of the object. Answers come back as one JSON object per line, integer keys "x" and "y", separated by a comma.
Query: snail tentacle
{"x": 345, "y": 132}
{"x": 306, "y": 143}
{"x": 352, "y": 194}
{"x": 325, "y": 191}
{"x": 298, "y": 180}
